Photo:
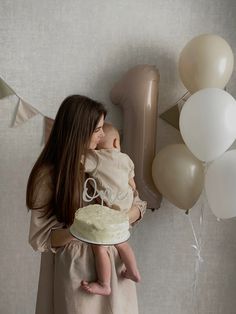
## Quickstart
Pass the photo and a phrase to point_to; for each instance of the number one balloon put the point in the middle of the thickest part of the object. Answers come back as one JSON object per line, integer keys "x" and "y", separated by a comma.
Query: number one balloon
{"x": 137, "y": 94}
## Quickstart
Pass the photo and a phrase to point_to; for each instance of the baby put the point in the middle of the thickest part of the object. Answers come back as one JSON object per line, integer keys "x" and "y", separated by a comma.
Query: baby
{"x": 114, "y": 175}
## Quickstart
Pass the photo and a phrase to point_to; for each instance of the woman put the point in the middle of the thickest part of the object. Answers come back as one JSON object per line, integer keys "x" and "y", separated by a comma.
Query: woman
{"x": 54, "y": 193}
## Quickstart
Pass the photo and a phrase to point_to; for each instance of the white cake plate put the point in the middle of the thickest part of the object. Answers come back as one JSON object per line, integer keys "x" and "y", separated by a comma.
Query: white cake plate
{"x": 93, "y": 242}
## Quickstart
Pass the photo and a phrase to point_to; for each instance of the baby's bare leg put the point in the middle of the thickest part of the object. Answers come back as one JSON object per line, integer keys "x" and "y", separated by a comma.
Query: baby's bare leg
{"x": 103, "y": 268}
{"x": 128, "y": 258}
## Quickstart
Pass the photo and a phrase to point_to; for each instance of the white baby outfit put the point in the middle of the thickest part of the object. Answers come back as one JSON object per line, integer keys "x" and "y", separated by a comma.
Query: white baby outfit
{"x": 112, "y": 170}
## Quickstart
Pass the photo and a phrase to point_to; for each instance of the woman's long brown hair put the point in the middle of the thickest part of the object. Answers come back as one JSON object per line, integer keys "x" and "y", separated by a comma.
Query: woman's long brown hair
{"x": 73, "y": 127}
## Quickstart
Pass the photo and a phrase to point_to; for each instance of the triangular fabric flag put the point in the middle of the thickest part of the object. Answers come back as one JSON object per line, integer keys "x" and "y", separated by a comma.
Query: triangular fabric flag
{"x": 171, "y": 116}
{"x": 48, "y": 123}
{"x": 5, "y": 90}
{"x": 24, "y": 113}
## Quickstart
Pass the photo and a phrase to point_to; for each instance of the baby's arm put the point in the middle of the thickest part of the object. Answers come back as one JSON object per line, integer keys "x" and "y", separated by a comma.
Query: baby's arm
{"x": 132, "y": 183}
{"x": 131, "y": 174}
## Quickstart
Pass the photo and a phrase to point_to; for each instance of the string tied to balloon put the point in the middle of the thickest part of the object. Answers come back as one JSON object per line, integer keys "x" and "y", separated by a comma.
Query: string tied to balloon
{"x": 197, "y": 246}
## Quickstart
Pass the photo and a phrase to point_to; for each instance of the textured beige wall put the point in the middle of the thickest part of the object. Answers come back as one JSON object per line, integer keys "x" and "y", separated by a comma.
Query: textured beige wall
{"x": 50, "y": 49}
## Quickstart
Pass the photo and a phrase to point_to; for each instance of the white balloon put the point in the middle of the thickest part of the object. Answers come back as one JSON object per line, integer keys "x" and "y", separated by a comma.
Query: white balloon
{"x": 220, "y": 185}
{"x": 208, "y": 123}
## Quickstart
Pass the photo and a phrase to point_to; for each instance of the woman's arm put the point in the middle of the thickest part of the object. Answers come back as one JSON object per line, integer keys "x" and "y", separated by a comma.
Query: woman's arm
{"x": 46, "y": 232}
{"x": 137, "y": 209}
{"x": 60, "y": 237}
{"x": 134, "y": 214}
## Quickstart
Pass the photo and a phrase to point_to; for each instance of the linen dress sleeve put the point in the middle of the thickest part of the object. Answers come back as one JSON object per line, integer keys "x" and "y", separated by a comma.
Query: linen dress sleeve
{"x": 41, "y": 227}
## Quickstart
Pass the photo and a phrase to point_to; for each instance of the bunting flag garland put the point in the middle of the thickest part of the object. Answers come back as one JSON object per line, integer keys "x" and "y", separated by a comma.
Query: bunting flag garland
{"x": 24, "y": 113}
{"x": 171, "y": 116}
{"x": 5, "y": 90}
{"x": 24, "y": 110}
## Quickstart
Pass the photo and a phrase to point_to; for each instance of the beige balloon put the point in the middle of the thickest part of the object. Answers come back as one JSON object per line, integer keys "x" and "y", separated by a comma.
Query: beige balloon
{"x": 137, "y": 94}
{"x": 206, "y": 61}
{"x": 178, "y": 175}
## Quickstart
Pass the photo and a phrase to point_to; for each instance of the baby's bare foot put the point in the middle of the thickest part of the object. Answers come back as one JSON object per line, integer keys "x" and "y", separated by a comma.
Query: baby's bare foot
{"x": 96, "y": 288}
{"x": 135, "y": 276}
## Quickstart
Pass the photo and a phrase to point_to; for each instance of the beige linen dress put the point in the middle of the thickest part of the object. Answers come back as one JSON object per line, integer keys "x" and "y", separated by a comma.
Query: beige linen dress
{"x": 62, "y": 270}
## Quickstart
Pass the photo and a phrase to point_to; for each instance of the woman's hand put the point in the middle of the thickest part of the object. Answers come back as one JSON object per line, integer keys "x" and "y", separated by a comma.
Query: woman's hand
{"x": 134, "y": 214}
{"x": 61, "y": 237}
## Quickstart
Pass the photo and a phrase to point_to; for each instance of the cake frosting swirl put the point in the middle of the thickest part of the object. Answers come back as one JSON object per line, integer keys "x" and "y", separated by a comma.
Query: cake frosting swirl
{"x": 100, "y": 225}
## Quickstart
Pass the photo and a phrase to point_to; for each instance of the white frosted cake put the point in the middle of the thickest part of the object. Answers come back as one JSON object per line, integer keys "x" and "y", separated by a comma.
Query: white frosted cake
{"x": 100, "y": 225}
